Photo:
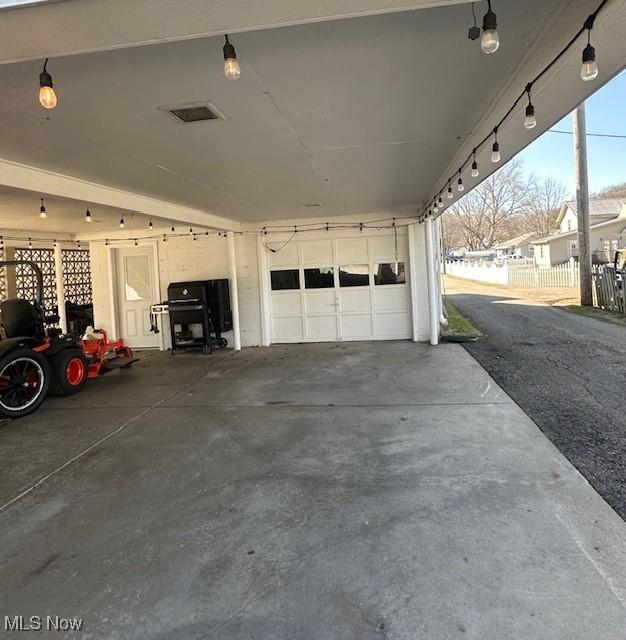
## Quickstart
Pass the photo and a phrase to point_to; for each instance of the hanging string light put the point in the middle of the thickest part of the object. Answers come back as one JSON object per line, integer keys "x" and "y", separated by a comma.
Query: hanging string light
{"x": 495, "y": 149}
{"x": 106, "y": 242}
{"x": 450, "y": 194}
{"x": 530, "y": 122}
{"x": 87, "y": 216}
{"x": 42, "y": 210}
{"x": 47, "y": 96}
{"x": 172, "y": 229}
{"x": 490, "y": 42}
{"x": 54, "y": 244}
{"x": 232, "y": 70}
{"x": 164, "y": 238}
{"x": 589, "y": 69}
{"x": 150, "y": 226}
{"x": 122, "y": 222}
{"x": 475, "y": 171}
{"x": 459, "y": 183}
{"x": 194, "y": 238}
{"x": 190, "y": 231}
{"x": 30, "y": 243}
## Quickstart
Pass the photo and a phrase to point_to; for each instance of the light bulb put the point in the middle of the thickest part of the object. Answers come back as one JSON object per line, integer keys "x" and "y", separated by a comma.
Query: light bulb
{"x": 450, "y": 194}
{"x": 460, "y": 187}
{"x": 475, "y": 172}
{"x": 435, "y": 206}
{"x": 194, "y": 238}
{"x": 87, "y": 216}
{"x": 121, "y": 223}
{"x": 490, "y": 41}
{"x": 530, "y": 122}
{"x": 47, "y": 96}
{"x": 232, "y": 70}
{"x": 30, "y": 243}
{"x": 150, "y": 226}
{"x": 42, "y": 211}
{"x": 589, "y": 70}
{"x": 495, "y": 153}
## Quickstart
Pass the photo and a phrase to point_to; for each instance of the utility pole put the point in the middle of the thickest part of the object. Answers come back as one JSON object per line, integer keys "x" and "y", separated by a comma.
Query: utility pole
{"x": 582, "y": 205}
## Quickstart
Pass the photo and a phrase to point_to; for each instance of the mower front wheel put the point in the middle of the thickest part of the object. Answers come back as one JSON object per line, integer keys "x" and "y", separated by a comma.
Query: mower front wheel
{"x": 24, "y": 382}
{"x": 69, "y": 372}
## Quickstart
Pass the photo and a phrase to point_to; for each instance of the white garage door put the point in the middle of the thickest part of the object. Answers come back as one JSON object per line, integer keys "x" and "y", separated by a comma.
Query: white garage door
{"x": 341, "y": 289}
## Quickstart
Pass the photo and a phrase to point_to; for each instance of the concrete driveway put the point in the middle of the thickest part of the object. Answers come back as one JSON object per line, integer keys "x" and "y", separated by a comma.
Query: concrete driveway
{"x": 567, "y": 371}
{"x": 336, "y": 491}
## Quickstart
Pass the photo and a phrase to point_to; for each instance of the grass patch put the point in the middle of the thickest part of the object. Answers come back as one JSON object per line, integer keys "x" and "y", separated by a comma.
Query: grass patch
{"x": 594, "y": 312}
{"x": 458, "y": 325}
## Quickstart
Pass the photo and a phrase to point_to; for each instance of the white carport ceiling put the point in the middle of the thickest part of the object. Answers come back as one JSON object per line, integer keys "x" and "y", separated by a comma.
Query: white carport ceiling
{"x": 19, "y": 210}
{"x": 355, "y": 115}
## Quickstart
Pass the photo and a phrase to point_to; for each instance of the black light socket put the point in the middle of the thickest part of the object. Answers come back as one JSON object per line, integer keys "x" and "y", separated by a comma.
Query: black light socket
{"x": 229, "y": 50}
{"x": 490, "y": 21}
{"x": 589, "y": 53}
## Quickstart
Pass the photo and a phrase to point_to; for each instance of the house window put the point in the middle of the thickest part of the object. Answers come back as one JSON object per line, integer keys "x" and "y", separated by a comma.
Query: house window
{"x": 541, "y": 250}
{"x": 285, "y": 279}
{"x": 569, "y": 225}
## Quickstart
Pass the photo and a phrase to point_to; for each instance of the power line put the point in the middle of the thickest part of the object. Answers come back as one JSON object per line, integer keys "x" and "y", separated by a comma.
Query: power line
{"x": 594, "y": 135}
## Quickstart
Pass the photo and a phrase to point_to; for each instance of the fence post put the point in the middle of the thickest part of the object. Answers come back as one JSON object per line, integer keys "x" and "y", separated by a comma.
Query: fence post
{"x": 572, "y": 272}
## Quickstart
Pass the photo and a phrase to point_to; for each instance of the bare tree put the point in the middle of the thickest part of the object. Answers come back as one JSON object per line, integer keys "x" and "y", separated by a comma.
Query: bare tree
{"x": 544, "y": 205}
{"x": 494, "y": 210}
{"x": 614, "y": 191}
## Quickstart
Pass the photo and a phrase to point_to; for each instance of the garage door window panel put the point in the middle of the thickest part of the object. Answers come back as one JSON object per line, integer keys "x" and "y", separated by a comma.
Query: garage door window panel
{"x": 355, "y": 275}
{"x": 320, "y": 278}
{"x": 285, "y": 279}
{"x": 390, "y": 273}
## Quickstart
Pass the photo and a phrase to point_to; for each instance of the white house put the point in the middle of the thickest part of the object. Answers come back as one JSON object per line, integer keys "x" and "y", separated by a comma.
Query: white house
{"x": 607, "y": 232}
{"x": 518, "y": 247}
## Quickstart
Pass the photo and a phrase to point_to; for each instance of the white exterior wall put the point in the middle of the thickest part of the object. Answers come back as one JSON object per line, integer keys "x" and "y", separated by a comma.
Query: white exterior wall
{"x": 181, "y": 259}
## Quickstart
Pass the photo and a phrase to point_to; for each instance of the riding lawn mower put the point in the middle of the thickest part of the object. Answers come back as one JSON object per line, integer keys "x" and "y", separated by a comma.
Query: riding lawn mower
{"x": 37, "y": 359}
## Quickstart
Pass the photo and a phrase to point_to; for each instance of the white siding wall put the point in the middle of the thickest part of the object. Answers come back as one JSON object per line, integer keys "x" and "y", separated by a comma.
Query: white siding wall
{"x": 180, "y": 259}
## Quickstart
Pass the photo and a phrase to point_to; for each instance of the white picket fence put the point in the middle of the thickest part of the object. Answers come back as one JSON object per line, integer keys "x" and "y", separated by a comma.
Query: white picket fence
{"x": 519, "y": 275}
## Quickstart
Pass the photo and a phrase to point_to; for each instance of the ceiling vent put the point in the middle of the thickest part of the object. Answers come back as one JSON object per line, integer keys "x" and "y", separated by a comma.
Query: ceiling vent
{"x": 194, "y": 113}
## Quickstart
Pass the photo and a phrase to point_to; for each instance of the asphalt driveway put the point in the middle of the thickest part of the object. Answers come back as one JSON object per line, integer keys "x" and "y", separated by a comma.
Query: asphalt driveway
{"x": 329, "y": 491}
{"x": 568, "y": 373}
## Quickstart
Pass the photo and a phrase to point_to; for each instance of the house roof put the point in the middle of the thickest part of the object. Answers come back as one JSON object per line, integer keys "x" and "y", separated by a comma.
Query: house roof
{"x": 515, "y": 242}
{"x": 597, "y": 207}
{"x": 600, "y": 225}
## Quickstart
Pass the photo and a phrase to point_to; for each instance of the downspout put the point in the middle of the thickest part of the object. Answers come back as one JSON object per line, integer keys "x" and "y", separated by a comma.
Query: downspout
{"x": 433, "y": 305}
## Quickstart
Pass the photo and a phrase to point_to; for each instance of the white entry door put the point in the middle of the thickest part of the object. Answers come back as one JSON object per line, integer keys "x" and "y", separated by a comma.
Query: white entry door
{"x": 341, "y": 289}
{"x": 136, "y": 291}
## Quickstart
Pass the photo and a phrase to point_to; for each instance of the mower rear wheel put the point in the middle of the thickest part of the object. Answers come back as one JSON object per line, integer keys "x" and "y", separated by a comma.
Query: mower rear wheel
{"x": 24, "y": 382}
{"x": 69, "y": 372}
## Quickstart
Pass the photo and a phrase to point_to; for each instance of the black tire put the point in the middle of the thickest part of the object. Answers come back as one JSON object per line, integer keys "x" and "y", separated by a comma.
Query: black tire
{"x": 222, "y": 343}
{"x": 27, "y": 373}
{"x": 69, "y": 372}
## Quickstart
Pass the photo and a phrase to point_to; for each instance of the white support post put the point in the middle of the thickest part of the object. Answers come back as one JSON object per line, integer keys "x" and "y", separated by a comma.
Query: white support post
{"x": 415, "y": 300}
{"x": 439, "y": 272}
{"x": 433, "y": 305}
{"x": 60, "y": 287}
{"x": 234, "y": 296}
{"x": 264, "y": 294}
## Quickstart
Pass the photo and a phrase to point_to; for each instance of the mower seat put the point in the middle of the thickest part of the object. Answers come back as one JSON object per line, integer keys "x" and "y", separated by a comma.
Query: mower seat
{"x": 21, "y": 319}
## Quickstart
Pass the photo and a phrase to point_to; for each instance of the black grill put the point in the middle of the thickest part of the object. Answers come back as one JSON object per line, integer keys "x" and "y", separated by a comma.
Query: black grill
{"x": 204, "y": 303}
